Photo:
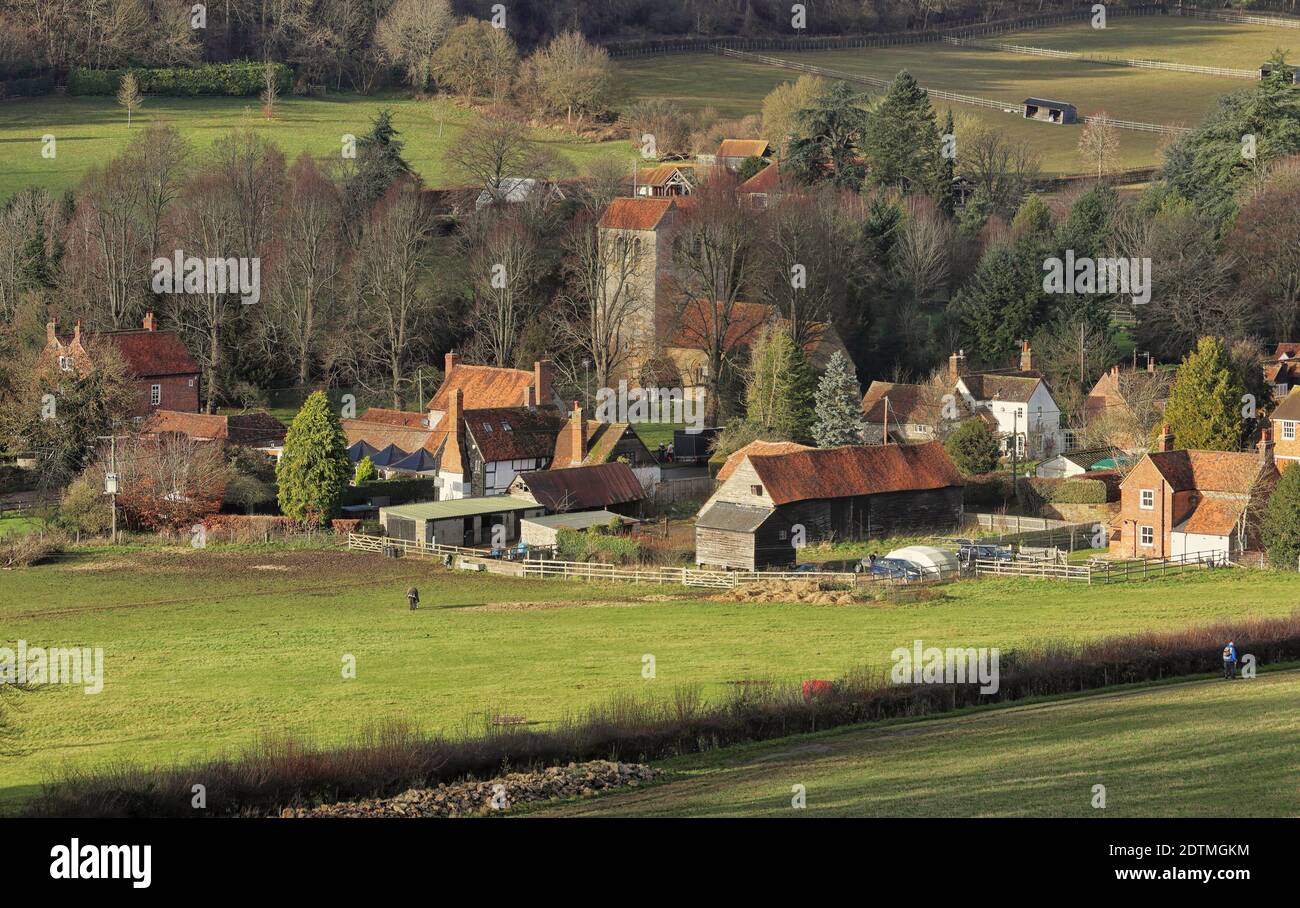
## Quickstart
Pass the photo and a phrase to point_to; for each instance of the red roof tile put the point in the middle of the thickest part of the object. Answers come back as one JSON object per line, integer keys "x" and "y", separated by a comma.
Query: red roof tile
{"x": 743, "y": 148}
{"x": 855, "y": 470}
{"x": 636, "y": 214}
{"x": 153, "y": 353}
{"x": 584, "y": 488}
{"x": 757, "y": 447}
{"x": 483, "y": 387}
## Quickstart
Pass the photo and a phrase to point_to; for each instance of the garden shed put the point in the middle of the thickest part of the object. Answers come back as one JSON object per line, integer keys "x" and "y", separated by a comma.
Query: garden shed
{"x": 1058, "y": 112}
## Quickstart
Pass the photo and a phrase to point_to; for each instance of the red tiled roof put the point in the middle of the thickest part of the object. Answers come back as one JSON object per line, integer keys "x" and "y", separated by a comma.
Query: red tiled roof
{"x": 1207, "y": 471}
{"x": 757, "y": 447}
{"x": 483, "y": 387}
{"x": 1016, "y": 387}
{"x": 1290, "y": 350}
{"x": 601, "y": 440}
{"x": 855, "y": 470}
{"x": 661, "y": 174}
{"x": 1289, "y": 408}
{"x": 1214, "y": 516}
{"x": 743, "y": 148}
{"x": 697, "y": 325}
{"x": 767, "y": 180}
{"x": 513, "y": 433}
{"x": 153, "y": 353}
{"x": 193, "y": 425}
{"x": 584, "y": 488}
{"x": 636, "y": 214}
{"x": 917, "y": 404}
{"x": 255, "y": 429}
{"x": 396, "y": 417}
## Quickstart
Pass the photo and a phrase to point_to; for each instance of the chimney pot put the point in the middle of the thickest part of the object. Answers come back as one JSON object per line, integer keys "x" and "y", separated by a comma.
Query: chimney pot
{"x": 543, "y": 381}
{"x": 150, "y": 322}
{"x": 76, "y": 332}
{"x": 449, "y": 363}
{"x": 1166, "y": 438}
{"x": 51, "y": 331}
{"x": 577, "y": 436}
{"x": 1266, "y": 446}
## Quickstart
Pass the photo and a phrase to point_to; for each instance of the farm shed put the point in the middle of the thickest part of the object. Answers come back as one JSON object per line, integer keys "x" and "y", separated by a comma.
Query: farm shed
{"x": 609, "y": 486}
{"x": 1058, "y": 112}
{"x": 772, "y": 502}
{"x": 930, "y": 561}
{"x": 457, "y": 521}
{"x": 1266, "y": 70}
{"x": 544, "y": 530}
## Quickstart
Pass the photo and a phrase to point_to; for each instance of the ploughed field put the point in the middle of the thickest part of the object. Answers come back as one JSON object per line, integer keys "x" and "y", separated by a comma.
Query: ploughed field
{"x": 206, "y": 651}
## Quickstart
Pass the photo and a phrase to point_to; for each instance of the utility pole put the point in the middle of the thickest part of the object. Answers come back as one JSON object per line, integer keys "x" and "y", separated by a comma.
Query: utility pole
{"x": 885, "y": 438}
{"x": 111, "y": 482}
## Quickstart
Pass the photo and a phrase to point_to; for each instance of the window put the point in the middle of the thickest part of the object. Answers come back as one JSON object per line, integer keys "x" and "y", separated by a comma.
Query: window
{"x": 782, "y": 535}
{"x": 505, "y": 426}
{"x": 65, "y": 363}
{"x": 155, "y": 395}
{"x": 756, "y": 490}
{"x": 1148, "y": 502}
{"x": 1288, "y": 430}
{"x": 1146, "y": 536}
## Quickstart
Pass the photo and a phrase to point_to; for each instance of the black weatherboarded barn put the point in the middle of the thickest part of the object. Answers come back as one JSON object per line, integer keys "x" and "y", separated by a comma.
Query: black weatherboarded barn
{"x": 770, "y": 501}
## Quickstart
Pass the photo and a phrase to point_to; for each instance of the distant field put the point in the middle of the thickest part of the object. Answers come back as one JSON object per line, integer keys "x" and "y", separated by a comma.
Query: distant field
{"x": 89, "y": 131}
{"x": 1205, "y": 749}
{"x": 205, "y": 650}
{"x": 736, "y": 88}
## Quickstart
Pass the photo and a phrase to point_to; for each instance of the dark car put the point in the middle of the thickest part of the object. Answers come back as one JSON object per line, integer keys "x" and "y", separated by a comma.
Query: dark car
{"x": 969, "y": 553}
{"x": 806, "y": 567}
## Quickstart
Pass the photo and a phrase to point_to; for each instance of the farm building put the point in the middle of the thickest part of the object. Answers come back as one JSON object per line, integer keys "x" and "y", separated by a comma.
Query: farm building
{"x": 543, "y": 531}
{"x": 733, "y": 152}
{"x": 460, "y": 521}
{"x": 1266, "y": 70}
{"x": 665, "y": 180}
{"x": 611, "y": 486}
{"x": 1058, "y": 112}
{"x": 250, "y": 430}
{"x": 770, "y": 502}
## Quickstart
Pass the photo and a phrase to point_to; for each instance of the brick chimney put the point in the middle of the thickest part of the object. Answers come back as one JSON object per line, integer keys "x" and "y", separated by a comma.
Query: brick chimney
{"x": 1265, "y": 447}
{"x": 957, "y": 365}
{"x": 76, "y": 332}
{"x": 150, "y": 323}
{"x": 529, "y": 400}
{"x": 449, "y": 362}
{"x": 1151, "y": 365}
{"x": 455, "y": 409}
{"x": 1026, "y": 358}
{"x": 577, "y": 435}
{"x": 51, "y": 332}
{"x": 1166, "y": 441}
{"x": 543, "y": 382}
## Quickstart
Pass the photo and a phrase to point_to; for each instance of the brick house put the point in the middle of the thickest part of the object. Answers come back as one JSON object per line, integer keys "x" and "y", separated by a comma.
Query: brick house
{"x": 163, "y": 372}
{"x": 1181, "y": 503}
{"x": 1285, "y": 420}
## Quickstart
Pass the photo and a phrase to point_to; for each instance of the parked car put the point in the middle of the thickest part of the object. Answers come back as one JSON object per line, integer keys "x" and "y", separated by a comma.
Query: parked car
{"x": 969, "y": 553}
{"x": 895, "y": 569}
{"x": 807, "y": 567}
{"x": 843, "y": 566}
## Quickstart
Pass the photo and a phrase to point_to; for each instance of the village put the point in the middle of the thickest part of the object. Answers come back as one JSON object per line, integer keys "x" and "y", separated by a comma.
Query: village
{"x": 442, "y": 409}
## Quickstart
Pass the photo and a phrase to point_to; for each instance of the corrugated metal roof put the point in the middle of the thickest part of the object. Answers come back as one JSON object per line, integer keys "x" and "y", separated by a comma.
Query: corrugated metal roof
{"x": 736, "y": 518}
{"x": 582, "y": 488}
{"x": 459, "y": 507}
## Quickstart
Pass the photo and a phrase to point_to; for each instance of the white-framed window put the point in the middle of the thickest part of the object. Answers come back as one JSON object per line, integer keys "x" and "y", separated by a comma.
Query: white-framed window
{"x": 1146, "y": 537}
{"x": 65, "y": 363}
{"x": 1288, "y": 430}
{"x": 155, "y": 395}
{"x": 1147, "y": 501}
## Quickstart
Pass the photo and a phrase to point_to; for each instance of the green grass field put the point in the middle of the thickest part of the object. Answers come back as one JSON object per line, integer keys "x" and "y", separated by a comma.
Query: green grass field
{"x": 89, "y": 131}
{"x": 17, "y": 523}
{"x": 737, "y": 88}
{"x": 206, "y": 650}
{"x": 1204, "y": 748}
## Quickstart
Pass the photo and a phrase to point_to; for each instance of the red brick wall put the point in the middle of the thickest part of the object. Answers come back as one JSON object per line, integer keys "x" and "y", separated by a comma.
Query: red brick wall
{"x": 179, "y": 392}
{"x": 1162, "y": 518}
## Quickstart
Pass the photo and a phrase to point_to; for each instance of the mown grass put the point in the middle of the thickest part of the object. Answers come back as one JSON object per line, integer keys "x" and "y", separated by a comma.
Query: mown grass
{"x": 206, "y": 650}
{"x": 90, "y": 131}
{"x": 1210, "y": 749}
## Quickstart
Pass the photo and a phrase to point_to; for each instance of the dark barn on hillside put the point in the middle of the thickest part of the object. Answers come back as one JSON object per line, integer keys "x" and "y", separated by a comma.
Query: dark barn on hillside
{"x": 753, "y": 521}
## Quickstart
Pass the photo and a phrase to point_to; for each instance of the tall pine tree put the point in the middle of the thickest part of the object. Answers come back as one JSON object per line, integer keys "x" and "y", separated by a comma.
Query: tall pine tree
{"x": 838, "y": 405}
{"x": 1204, "y": 411}
{"x": 903, "y": 146}
{"x": 314, "y": 467}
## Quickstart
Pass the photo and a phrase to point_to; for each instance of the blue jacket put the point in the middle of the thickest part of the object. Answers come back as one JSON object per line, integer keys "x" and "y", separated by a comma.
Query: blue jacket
{"x": 1229, "y": 653}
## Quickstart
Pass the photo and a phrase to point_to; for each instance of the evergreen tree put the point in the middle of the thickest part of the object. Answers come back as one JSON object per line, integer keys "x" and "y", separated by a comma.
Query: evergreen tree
{"x": 1033, "y": 219}
{"x": 973, "y": 447}
{"x": 314, "y": 467}
{"x": 1204, "y": 408}
{"x": 838, "y": 405}
{"x": 1003, "y": 302}
{"x": 903, "y": 146}
{"x": 779, "y": 395}
{"x": 378, "y": 165}
{"x": 1280, "y": 531}
{"x": 947, "y": 188}
{"x": 830, "y": 135}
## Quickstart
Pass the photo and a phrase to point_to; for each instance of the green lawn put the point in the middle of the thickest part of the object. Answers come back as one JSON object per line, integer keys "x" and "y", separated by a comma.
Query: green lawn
{"x": 89, "y": 131}
{"x": 17, "y": 523}
{"x": 1206, "y": 748}
{"x": 736, "y": 88}
{"x": 205, "y": 650}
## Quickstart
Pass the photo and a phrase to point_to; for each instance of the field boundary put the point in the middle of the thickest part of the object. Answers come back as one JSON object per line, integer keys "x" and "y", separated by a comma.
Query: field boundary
{"x": 876, "y": 82}
{"x": 1232, "y": 16}
{"x": 1100, "y": 570}
{"x": 1250, "y": 74}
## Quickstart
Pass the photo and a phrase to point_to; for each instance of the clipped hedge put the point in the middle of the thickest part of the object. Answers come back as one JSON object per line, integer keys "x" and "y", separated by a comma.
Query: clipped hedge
{"x": 27, "y": 86}
{"x": 1069, "y": 491}
{"x": 987, "y": 490}
{"x": 237, "y": 80}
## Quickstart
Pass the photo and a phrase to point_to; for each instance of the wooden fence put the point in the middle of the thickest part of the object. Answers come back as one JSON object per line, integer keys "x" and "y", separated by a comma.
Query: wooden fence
{"x": 1014, "y": 107}
{"x": 1252, "y": 74}
{"x": 1232, "y": 16}
{"x": 1099, "y": 570}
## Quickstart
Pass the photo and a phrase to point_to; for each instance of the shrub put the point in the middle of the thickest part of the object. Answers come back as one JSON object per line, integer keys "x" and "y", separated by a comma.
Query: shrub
{"x": 988, "y": 490}
{"x": 1072, "y": 490}
{"x": 1280, "y": 531}
{"x": 26, "y": 549}
{"x": 85, "y": 508}
{"x": 344, "y": 525}
{"x": 239, "y": 79}
{"x": 973, "y": 447}
{"x": 596, "y": 545}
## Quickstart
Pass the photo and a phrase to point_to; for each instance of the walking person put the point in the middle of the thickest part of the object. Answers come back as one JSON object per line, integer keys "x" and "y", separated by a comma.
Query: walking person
{"x": 1230, "y": 661}
{"x": 413, "y": 597}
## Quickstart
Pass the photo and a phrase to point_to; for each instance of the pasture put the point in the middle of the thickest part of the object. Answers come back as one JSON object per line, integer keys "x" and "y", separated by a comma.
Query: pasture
{"x": 90, "y": 131}
{"x": 735, "y": 87}
{"x": 208, "y": 650}
{"x": 1204, "y": 748}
